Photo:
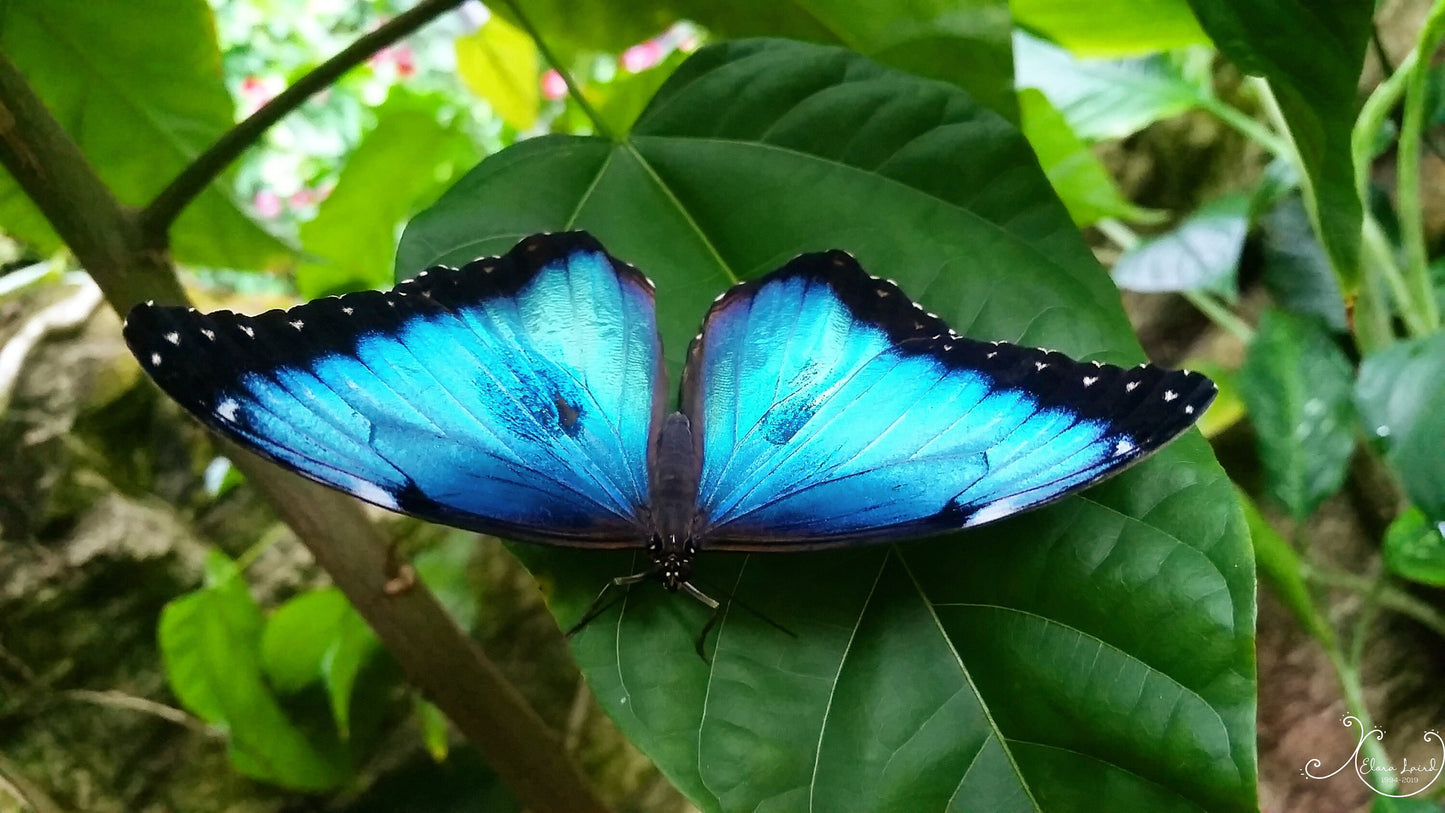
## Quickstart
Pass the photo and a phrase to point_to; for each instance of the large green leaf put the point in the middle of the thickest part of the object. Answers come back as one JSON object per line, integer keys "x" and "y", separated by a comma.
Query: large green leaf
{"x": 1099, "y": 651}
{"x": 1298, "y": 386}
{"x": 1112, "y": 28}
{"x": 1399, "y": 395}
{"x": 1311, "y": 53}
{"x": 138, "y": 86}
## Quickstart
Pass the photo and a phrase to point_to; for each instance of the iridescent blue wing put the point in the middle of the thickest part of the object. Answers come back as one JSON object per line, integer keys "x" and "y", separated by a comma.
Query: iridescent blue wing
{"x": 514, "y": 396}
{"x": 833, "y": 410}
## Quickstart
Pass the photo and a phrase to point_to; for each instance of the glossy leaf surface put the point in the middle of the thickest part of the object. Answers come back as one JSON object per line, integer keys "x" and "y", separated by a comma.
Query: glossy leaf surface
{"x": 1097, "y": 651}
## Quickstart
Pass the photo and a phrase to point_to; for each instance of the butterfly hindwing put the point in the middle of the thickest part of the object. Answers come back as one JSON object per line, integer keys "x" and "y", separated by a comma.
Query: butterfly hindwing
{"x": 833, "y": 410}
{"x": 513, "y": 396}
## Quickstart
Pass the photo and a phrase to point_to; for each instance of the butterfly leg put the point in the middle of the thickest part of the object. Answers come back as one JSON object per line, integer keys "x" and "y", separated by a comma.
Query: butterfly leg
{"x": 712, "y": 604}
{"x": 597, "y": 607}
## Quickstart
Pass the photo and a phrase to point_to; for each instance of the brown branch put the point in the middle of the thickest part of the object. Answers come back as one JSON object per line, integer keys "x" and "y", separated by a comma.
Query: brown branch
{"x": 157, "y": 217}
{"x": 437, "y": 656}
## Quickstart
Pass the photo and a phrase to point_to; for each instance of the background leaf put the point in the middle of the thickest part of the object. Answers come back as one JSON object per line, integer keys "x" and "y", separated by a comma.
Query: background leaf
{"x": 1414, "y": 548}
{"x": 399, "y": 167}
{"x": 1312, "y": 54}
{"x": 1298, "y": 385}
{"x": 317, "y": 637}
{"x": 1296, "y": 270}
{"x": 498, "y": 62}
{"x": 1113, "y": 28}
{"x": 1076, "y": 173}
{"x": 1097, "y": 651}
{"x": 1201, "y": 253}
{"x": 1104, "y": 98}
{"x": 1400, "y": 394}
{"x": 210, "y": 643}
{"x": 138, "y": 86}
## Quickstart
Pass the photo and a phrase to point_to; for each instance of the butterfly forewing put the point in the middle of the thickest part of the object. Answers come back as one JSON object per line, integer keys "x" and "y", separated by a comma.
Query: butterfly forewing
{"x": 833, "y": 410}
{"x": 514, "y": 396}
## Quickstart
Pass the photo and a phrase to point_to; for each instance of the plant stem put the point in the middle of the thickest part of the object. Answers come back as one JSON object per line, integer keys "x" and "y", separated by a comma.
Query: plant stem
{"x": 551, "y": 59}
{"x": 1420, "y": 288}
{"x": 1125, "y": 238}
{"x": 1247, "y": 126}
{"x": 160, "y": 213}
{"x": 1388, "y": 595}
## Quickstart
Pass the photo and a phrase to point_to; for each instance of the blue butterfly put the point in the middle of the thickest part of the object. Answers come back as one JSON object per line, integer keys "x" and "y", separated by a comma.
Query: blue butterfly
{"x": 525, "y": 396}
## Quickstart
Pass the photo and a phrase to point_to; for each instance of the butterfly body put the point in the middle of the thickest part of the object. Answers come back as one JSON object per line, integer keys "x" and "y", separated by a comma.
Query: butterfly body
{"x": 525, "y": 396}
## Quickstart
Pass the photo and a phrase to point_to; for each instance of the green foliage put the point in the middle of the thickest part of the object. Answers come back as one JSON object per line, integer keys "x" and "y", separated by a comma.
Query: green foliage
{"x": 318, "y": 637}
{"x": 400, "y": 166}
{"x": 210, "y": 641}
{"x": 1106, "y": 99}
{"x": 1200, "y": 253}
{"x": 1296, "y": 270}
{"x": 1280, "y": 567}
{"x": 1312, "y": 54}
{"x": 1113, "y": 28}
{"x": 1399, "y": 395}
{"x": 499, "y": 64}
{"x": 1078, "y": 177}
{"x": 138, "y": 86}
{"x": 1024, "y": 646}
{"x": 1298, "y": 386}
{"x": 1415, "y": 548}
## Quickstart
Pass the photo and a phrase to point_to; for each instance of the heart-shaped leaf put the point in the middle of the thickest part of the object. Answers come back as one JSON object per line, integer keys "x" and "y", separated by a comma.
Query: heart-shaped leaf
{"x": 1096, "y": 653}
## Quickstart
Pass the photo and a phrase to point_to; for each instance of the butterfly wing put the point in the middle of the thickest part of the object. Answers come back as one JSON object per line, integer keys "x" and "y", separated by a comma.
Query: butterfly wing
{"x": 833, "y": 410}
{"x": 513, "y": 396}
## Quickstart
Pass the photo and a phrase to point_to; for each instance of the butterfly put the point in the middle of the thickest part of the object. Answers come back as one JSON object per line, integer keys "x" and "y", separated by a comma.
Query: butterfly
{"x": 525, "y": 396}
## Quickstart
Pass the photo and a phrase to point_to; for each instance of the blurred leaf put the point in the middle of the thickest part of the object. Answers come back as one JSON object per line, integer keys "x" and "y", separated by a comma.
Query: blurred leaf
{"x": 210, "y": 642}
{"x": 1024, "y": 647}
{"x": 1297, "y": 384}
{"x": 1385, "y": 804}
{"x": 620, "y": 101}
{"x": 138, "y": 86}
{"x": 1414, "y": 548}
{"x": 317, "y": 637}
{"x": 1201, "y": 253}
{"x": 1113, "y": 28}
{"x": 1401, "y": 396}
{"x": 1296, "y": 270}
{"x": 399, "y": 167}
{"x": 965, "y": 42}
{"x": 434, "y": 729}
{"x": 1077, "y": 175}
{"x": 443, "y": 568}
{"x": 498, "y": 62}
{"x": 1312, "y": 54}
{"x": 1104, "y": 99}
{"x": 1279, "y": 566}
{"x": 1226, "y": 409}
{"x": 572, "y": 29}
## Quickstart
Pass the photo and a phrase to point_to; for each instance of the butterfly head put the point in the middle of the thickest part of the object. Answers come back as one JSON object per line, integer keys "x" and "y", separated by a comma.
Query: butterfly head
{"x": 672, "y": 557}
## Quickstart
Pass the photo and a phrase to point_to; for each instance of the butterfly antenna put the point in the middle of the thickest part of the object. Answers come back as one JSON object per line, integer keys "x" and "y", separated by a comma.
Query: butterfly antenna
{"x": 597, "y": 607}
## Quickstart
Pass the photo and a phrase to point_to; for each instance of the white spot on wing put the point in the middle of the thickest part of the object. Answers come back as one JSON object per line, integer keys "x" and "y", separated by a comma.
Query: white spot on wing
{"x": 227, "y": 410}
{"x": 1089, "y": 380}
{"x": 298, "y": 324}
{"x": 246, "y": 329}
{"x": 1130, "y": 386}
{"x": 1123, "y": 447}
{"x": 208, "y": 333}
{"x": 994, "y": 510}
{"x": 155, "y": 359}
{"x": 1170, "y": 395}
{"x": 347, "y": 311}
{"x": 376, "y": 495}
{"x": 174, "y": 338}
{"x": 1189, "y": 410}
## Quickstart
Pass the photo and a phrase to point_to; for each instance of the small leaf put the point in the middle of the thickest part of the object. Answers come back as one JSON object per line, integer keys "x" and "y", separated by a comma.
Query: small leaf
{"x": 498, "y": 62}
{"x": 1279, "y": 566}
{"x": 352, "y": 647}
{"x": 1076, "y": 173}
{"x": 434, "y": 729}
{"x": 1296, "y": 270}
{"x": 1401, "y": 396}
{"x": 210, "y": 643}
{"x": 1112, "y": 28}
{"x": 1297, "y": 384}
{"x": 1414, "y": 548}
{"x": 318, "y": 637}
{"x": 399, "y": 167}
{"x": 1201, "y": 253}
{"x": 1104, "y": 99}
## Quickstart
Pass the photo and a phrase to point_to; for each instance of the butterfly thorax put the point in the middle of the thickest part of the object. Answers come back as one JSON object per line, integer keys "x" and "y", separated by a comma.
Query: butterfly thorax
{"x": 676, "y": 466}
